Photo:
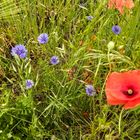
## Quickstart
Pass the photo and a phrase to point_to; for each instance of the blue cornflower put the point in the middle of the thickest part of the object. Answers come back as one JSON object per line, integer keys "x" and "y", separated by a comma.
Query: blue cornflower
{"x": 29, "y": 84}
{"x": 116, "y": 29}
{"x": 19, "y": 50}
{"x": 43, "y": 38}
{"x": 90, "y": 90}
{"x": 54, "y": 60}
{"x": 89, "y": 18}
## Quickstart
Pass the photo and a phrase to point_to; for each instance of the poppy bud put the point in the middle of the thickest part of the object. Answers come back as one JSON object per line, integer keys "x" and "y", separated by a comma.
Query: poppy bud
{"x": 110, "y": 45}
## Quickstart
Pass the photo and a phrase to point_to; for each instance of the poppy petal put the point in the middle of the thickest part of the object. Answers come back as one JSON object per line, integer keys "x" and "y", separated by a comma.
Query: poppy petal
{"x": 113, "y": 101}
{"x": 119, "y": 5}
{"x": 132, "y": 104}
{"x": 111, "y": 3}
{"x": 129, "y": 4}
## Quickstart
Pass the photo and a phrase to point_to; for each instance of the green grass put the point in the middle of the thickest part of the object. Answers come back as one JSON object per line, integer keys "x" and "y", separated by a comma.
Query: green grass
{"x": 57, "y": 107}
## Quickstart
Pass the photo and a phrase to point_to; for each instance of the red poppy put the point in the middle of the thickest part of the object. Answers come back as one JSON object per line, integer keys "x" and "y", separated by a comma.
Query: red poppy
{"x": 123, "y": 89}
{"x": 121, "y": 4}
{"x": 129, "y": 4}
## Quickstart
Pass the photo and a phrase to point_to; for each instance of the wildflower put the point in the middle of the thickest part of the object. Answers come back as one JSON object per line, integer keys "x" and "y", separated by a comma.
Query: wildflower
{"x": 90, "y": 90}
{"x": 129, "y": 4}
{"x": 116, "y": 29}
{"x": 118, "y": 4}
{"x": 121, "y": 4}
{"x": 54, "y": 60}
{"x": 29, "y": 84}
{"x": 123, "y": 89}
{"x": 43, "y": 38}
{"x": 19, "y": 50}
{"x": 110, "y": 45}
{"x": 89, "y": 18}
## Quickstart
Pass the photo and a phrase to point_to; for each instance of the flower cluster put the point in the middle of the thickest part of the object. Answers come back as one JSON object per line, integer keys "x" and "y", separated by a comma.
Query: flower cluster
{"x": 21, "y": 52}
{"x": 121, "y": 88}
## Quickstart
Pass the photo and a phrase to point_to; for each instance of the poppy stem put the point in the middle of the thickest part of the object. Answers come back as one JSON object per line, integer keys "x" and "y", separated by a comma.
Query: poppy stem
{"x": 120, "y": 118}
{"x": 109, "y": 60}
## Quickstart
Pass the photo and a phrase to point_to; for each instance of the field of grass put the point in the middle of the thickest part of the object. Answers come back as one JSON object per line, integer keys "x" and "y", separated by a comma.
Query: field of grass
{"x": 57, "y": 106}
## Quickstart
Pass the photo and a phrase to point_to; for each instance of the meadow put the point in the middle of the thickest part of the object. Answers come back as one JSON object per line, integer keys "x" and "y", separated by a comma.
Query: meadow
{"x": 44, "y": 93}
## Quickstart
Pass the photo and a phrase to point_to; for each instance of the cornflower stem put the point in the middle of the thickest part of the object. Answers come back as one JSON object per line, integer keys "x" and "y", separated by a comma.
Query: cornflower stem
{"x": 120, "y": 118}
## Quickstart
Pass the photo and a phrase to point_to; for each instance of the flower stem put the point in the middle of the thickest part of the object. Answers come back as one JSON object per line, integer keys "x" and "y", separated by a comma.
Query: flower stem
{"x": 108, "y": 53}
{"x": 120, "y": 118}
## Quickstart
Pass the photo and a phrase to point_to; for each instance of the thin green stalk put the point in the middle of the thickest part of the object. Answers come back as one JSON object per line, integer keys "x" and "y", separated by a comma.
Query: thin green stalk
{"x": 120, "y": 118}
